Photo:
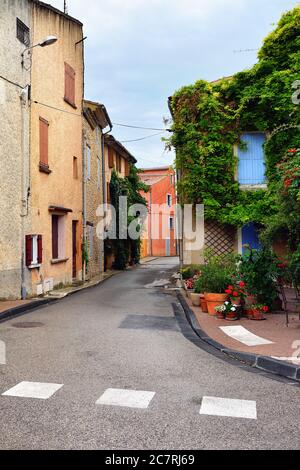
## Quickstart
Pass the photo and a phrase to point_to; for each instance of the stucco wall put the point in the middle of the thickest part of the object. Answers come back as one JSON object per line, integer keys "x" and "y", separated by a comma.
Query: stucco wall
{"x": 14, "y": 147}
{"x": 65, "y": 141}
{"x": 94, "y": 197}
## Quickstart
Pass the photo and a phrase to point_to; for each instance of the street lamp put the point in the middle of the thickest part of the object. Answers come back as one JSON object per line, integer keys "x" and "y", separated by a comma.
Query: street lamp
{"x": 48, "y": 41}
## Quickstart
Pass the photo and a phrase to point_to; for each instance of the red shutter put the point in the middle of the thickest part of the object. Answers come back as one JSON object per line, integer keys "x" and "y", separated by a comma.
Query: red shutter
{"x": 44, "y": 127}
{"x": 28, "y": 250}
{"x": 40, "y": 249}
{"x": 69, "y": 84}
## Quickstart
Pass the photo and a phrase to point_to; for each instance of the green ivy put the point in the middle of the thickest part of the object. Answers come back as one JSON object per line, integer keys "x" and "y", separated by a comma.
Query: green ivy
{"x": 209, "y": 119}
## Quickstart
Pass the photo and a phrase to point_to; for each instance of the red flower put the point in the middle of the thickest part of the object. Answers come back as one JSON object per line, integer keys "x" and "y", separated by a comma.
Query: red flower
{"x": 230, "y": 287}
{"x": 235, "y": 294}
{"x": 281, "y": 266}
{"x": 229, "y": 292}
{"x": 242, "y": 284}
{"x": 265, "y": 309}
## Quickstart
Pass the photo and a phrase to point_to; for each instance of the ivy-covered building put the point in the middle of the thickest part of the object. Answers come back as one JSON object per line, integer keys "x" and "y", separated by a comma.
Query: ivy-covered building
{"x": 230, "y": 137}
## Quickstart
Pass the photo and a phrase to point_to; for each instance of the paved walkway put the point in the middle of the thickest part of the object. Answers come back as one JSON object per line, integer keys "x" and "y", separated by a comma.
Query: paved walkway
{"x": 109, "y": 368}
{"x": 268, "y": 338}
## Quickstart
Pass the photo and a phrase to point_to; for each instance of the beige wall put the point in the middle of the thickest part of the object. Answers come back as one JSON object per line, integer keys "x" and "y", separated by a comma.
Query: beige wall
{"x": 14, "y": 147}
{"x": 65, "y": 142}
{"x": 94, "y": 197}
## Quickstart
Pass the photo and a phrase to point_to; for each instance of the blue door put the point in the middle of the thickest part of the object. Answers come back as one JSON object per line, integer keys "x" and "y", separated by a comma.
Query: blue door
{"x": 250, "y": 237}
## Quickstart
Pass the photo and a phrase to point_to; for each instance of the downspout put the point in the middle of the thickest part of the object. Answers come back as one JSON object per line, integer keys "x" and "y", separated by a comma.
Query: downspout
{"x": 104, "y": 181}
{"x": 84, "y": 203}
{"x": 151, "y": 243}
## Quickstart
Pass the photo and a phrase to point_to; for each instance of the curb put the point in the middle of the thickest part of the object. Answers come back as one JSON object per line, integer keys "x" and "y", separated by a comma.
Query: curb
{"x": 266, "y": 364}
{"x": 34, "y": 305}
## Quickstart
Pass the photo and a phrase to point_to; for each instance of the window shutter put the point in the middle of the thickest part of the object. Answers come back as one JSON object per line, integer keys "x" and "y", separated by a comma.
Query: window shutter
{"x": 44, "y": 145}
{"x": 28, "y": 250}
{"x": 108, "y": 193}
{"x": 55, "y": 237}
{"x": 110, "y": 157}
{"x": 69, "y": 84}
{"x": 40, "y": 249}
{"x": 127, "y": 168}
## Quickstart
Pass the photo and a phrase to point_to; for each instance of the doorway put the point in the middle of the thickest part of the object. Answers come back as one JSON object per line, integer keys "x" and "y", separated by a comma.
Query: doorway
{"x": 74, "y": 249}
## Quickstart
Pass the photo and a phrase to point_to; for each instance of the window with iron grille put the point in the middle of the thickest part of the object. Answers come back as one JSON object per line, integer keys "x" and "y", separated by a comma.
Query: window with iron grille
{"x": 23, "y": 33}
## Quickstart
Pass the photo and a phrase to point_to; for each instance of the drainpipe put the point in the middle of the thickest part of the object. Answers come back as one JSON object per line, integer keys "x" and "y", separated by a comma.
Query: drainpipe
{"x": 151, "y": 243}
{"x": 104, "y": 179}
{"x": 84, "y": 202}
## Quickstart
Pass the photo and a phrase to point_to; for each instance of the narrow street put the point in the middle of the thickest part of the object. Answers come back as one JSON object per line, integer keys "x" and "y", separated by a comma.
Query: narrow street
{"x": 122, "y": 335}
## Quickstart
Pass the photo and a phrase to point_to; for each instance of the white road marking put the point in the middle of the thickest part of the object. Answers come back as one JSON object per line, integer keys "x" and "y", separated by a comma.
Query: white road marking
{"x": 213, "y": 406}
{"x": 42, "y": 391}
{"x": 241, "y": 334}
{"x": 126, "y": 398}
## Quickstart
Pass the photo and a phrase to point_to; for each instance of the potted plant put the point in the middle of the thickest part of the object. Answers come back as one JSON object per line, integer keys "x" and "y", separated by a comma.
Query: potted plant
{"x": 200, "y": 293}
{"x": 257, "y": 312}
{"x": 237, "y": 292}
{"x": 189, "y": 286}
{"x": 213, "y": 282}
{"x": 227, "y": 311}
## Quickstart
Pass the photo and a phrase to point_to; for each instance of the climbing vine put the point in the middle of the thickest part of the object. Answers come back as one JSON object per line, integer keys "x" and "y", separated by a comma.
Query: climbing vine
{"x": 209, "y": 119}
{"x": 126, "y": 250}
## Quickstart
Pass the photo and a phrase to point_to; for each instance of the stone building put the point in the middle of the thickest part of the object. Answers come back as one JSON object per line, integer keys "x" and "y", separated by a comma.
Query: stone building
{"x": 15, "y": 37}
{"x": 95, "y": 120}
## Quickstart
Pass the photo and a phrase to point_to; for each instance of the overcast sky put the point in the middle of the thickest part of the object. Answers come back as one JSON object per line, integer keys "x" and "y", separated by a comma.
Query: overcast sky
{"x": 138, "y": 52}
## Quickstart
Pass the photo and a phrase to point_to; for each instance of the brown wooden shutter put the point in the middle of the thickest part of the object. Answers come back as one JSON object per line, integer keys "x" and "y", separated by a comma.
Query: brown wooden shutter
{"x": 28, "y": 250}
{"x": 108, "y": 193}
{"x": 55, "y": 237}
{"x": 69, "y": 84}
{"x": 40, "y": 249}
{"x": 110, "y": 157}
{"x": 44, "y": 142}
{"x": 127, "y": 168}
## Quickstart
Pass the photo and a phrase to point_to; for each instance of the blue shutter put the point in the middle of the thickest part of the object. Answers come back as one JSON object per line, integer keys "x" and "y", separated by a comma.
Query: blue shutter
{"x": 251, "y": 161}
{"x": 250, "y": 237}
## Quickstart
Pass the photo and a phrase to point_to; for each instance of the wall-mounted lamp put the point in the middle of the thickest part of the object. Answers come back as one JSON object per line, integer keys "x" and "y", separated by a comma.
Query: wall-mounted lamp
{"x": 48, "y": 41}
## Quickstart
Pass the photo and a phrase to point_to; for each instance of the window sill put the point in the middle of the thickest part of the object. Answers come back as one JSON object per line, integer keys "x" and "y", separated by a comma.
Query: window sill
{"x": 59, "y": 261}
{"x": 70, "y": 103}
{"x": 34, "y": 266}
{"x": 44, "y": 169}
{"x": 249, "y": 187}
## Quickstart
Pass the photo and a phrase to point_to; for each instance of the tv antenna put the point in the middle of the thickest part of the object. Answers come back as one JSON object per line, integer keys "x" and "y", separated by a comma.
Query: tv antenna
{"x": 65, "y": 7}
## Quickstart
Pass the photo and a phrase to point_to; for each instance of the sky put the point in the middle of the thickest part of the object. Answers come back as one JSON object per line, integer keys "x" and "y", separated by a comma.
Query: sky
{"x": 139, "y": 52}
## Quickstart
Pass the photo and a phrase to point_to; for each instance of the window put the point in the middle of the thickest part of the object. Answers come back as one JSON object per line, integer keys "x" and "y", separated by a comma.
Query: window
{"x": 34, "y": 250}
{"x": 169, "y": 200}
{"x": 251, "y": 170}
{"x": 171, "y": 223}
{"x": 44, "y": 145}
{"x": 70, "y": 85}
{"x": 23, "y": 33}
{"x": 88, "y": 162}
{"x": 172, "y": 179}
{"x": 58, "y": 231}
{"x": 75, "y": 168}
{"x": 110, "y": 158}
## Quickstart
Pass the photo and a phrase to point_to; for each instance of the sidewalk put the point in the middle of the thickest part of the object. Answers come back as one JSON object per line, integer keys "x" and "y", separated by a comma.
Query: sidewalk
{"x": 274, "y": 330}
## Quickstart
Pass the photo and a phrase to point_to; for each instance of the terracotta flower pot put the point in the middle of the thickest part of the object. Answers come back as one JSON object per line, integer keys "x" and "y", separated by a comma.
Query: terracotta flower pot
{"x": 249, "y": 314}
{"x": 203, "y": 304}
{"x": 257, "y": 315}
{"x": 213, "y": 301}
{"x": 220, "y": 316}
{"x": 195, "y": 298}
{"x": 232, "y": 316}
{"x": 189, "y": 293}
{"x": 250, "y": 300}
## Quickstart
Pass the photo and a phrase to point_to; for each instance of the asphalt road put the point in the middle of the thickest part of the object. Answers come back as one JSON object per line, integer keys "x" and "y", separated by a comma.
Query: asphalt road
{"x": 121, "y": 335}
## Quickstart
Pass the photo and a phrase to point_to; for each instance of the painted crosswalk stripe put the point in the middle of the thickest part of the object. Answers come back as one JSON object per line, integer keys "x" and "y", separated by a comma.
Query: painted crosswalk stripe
{"x": 38, "y": 390}
{"x": 226, "y": 407}
{"x": 126, "y": 398}
{"x": 241, "y": 334}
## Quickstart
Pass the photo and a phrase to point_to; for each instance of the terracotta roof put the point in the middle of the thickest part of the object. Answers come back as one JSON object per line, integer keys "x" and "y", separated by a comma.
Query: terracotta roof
{"x": 57, "y": 11}
{"x": 96, "y": 114}
{"x": 151, "y": 180}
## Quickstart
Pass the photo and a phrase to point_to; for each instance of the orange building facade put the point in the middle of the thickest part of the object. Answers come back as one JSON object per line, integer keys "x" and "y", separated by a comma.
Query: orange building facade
{"x": 159, "y": 237}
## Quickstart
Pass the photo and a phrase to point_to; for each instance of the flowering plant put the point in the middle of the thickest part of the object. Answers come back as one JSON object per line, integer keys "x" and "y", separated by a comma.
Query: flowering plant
{"x": 237, "y": 290}
{"x": 227, "y": 308}
{"x": 260, "y": 307}
{"x": 190, "y": 284}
